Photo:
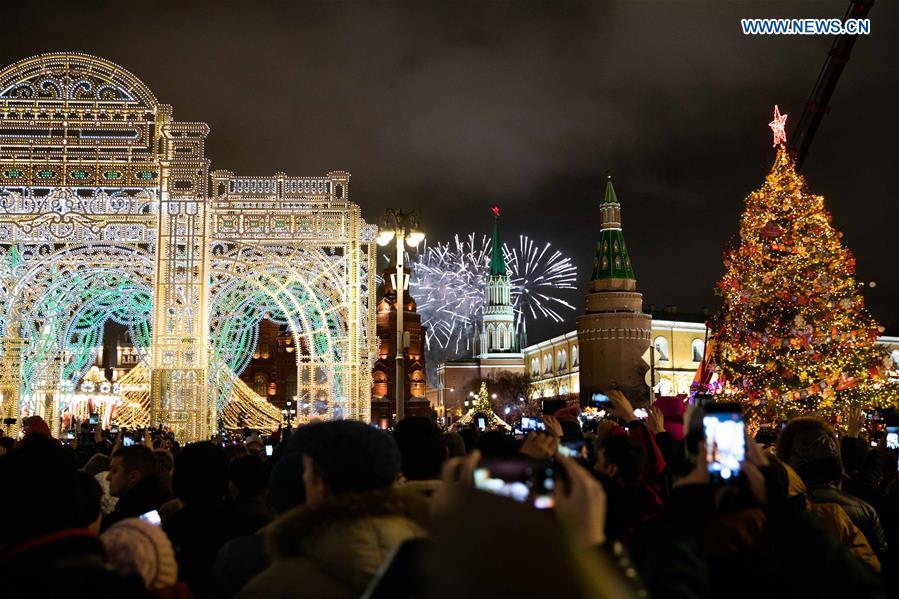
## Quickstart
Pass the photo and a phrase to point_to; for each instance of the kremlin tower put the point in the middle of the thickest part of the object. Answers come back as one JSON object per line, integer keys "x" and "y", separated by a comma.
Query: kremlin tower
{"x": 498, "y": 334}
{"x": 613, "y": 333}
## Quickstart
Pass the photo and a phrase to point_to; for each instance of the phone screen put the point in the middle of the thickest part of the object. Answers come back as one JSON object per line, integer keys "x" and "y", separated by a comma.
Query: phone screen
{"x": 893, "y": 437}
{"x": 482, "y": 424}
{"x": 532, "y": 424}
{"x": 152, "y": 517}
{"x": 127, "y": 441}
{"x": 70, "y": 435}
{"x": 523, "y": 479}
{"x": 600, "y": 401}
{"x": 725, "y": 441}
{"x": 573, "y": 449}
{"x": 269, "y": 450}
{"x": 94, "y": 419}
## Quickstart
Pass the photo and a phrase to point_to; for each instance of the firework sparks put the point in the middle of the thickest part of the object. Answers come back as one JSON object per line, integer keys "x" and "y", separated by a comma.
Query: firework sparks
{"x": 448, "y": 281}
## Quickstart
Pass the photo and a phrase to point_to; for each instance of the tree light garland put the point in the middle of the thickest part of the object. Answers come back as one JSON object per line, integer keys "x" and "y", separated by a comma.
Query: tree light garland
{"x": 792, "y": 336}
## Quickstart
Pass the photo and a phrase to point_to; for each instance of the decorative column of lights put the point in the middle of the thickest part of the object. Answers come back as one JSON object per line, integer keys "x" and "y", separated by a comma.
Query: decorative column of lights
{"x": 400, "y": 226}
{"x": 105, "y": 213}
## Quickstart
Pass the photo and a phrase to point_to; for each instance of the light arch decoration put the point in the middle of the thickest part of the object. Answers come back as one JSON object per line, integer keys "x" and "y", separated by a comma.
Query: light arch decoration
{"x": 108, "y": 210}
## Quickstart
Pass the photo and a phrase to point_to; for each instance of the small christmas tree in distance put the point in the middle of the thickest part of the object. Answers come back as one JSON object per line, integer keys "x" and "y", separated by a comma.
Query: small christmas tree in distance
{"x": 481, "y": 405}
{"x": 792, "y": 336}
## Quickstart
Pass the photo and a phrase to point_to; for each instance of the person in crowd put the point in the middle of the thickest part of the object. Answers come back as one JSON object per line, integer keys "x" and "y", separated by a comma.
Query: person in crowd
{"x": 99, "y": 462}
{"x": 243, "y": 558}
{"x": 90, "y": 496}
{"x": 235, "y": 452}
{"x": 248, "y": 509}
{"x": 621, "y": 464}
{"x": 134, "y": 481}
{"x": 811, "y": 448}
{"x": 352, "y": 519}
{"x": 47, "y": 545}
{"x": 199, "y": 529}
{"x": 422, "y": 451}
{"x": 137, "y": 547}
{"x": 753, "y": 541}
{"x": 834, "y": 519}
{"x": 455, "y": 445}
{"x": 35, "y": 424}
{"x": 165, "y": 465}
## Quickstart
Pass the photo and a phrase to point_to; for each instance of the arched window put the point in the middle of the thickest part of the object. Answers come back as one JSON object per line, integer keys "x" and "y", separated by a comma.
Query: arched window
{"x": 562, "y": 359}
{"x": 698, "y": 348}
{"x": 260, "y": 384}
{"x": 547, "y": 364}
{"x": 574, "y": 355}
{"x": 535, "y": 366}
{"x": 661, "y": 345}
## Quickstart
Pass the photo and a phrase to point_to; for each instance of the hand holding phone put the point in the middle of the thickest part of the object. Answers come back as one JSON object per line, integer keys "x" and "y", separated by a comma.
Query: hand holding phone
{"x": 520, "y": 478}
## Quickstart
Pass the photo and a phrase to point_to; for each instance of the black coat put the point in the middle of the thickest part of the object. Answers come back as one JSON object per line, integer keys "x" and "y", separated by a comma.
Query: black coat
{"x": 147, "y": 495}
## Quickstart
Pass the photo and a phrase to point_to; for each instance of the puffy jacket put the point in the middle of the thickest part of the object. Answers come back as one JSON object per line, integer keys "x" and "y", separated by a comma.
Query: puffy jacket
{"x": 334, "y": 550}
{"x": 859, "y": 511}
{"x": 836, "y": 521}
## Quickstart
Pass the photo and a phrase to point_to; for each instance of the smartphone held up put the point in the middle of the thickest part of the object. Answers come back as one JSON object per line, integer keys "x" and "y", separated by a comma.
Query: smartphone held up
{"x": 725, "y": 441}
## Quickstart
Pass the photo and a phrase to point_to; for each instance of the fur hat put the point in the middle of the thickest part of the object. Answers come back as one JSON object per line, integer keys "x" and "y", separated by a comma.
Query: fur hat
{"x": 133, "y": 545}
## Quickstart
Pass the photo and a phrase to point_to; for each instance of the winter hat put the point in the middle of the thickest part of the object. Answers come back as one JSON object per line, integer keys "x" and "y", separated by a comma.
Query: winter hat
{"x": 672, "y": 408}
{"x": 133, "y": 545}
{"x": 568, "y": 413}
{"x": 350, "y": 456}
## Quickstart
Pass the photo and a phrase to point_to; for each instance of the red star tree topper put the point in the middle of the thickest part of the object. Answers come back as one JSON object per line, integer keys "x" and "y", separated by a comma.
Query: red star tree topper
{"x": 778, "y": 126}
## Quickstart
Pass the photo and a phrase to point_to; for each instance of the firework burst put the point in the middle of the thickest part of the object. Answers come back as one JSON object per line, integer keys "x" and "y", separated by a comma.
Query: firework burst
{"x": 448, "y": 281}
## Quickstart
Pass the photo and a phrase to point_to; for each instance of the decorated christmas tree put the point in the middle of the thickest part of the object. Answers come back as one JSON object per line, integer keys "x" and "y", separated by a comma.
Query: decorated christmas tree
{"x": 481, "y": 405}
{"x": 792, "y": 336}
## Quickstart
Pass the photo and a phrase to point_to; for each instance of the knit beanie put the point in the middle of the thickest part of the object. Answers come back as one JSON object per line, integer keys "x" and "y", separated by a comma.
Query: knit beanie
{"x": 133, "y": 545}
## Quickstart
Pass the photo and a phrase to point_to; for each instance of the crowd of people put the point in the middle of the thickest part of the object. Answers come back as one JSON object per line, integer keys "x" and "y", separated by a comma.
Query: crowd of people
{"x": 342, "y": 509}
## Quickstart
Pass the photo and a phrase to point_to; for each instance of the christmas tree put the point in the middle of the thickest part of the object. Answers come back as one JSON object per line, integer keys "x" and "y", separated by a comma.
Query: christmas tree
{"x": 792, "y": 336}
{"x": 481, "y": 405}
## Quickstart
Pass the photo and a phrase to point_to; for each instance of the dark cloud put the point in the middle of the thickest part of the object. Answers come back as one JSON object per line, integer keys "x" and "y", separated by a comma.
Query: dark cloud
{"x": 451, "y": 107}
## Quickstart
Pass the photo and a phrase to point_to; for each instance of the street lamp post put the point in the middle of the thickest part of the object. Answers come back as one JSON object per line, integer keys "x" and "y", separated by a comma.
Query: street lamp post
{"x": 400, "y": 226}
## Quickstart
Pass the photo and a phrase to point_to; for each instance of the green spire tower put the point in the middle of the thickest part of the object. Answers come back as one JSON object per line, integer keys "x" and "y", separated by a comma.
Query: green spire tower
{"x": 611, "y": 260}
{"x": 498, "y": 335}
{"x": 613, "y": 332}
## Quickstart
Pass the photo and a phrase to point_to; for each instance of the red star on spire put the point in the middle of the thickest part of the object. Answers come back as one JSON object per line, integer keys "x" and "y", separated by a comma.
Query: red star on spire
{"x": 496, "y": 211}
{"x": 778, "y": 126}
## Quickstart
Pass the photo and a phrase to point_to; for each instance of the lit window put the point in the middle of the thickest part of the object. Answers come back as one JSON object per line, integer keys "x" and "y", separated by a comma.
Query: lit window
{"x": 661, "y": 345}
{"x": 698, "y": 349}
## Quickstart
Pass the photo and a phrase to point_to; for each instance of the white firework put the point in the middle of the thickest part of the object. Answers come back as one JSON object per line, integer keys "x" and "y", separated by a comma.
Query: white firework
{"x": 448, "y": 281}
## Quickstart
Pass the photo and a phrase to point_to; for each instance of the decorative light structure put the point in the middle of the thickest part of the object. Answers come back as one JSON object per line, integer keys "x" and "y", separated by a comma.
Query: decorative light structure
{"x": 106, "y": 213}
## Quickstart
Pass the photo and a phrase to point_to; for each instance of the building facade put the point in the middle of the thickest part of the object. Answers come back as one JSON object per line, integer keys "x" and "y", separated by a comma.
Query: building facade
{"x": 383, "y": 390}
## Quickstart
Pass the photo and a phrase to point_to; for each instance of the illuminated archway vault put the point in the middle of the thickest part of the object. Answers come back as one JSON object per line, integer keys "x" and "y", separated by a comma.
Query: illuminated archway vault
{"x": 108, "y": 211}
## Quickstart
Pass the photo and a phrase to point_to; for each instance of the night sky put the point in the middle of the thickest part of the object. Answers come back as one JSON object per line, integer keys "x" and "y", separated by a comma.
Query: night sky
{"x": 452, "y": 107}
